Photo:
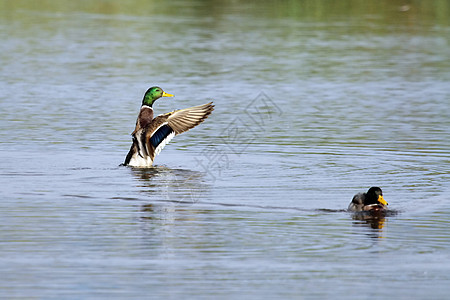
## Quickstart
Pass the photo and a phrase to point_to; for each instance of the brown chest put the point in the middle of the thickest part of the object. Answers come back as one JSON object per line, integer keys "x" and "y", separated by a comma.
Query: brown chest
{"x": 145, "y": 117}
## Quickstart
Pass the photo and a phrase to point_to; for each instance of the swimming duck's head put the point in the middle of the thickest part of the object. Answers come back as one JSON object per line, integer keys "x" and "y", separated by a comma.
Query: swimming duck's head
{"x": 153, "y": 94}
{"x": 375, "y": 196}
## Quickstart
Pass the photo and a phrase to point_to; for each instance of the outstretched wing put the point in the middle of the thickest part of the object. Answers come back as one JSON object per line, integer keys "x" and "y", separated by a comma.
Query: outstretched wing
{"x": 184, "y": 119}
{"x": 166, "y": 126}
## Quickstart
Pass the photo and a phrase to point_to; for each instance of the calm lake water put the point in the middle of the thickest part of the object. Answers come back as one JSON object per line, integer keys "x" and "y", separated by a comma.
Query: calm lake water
{"x": 315, "y": 101}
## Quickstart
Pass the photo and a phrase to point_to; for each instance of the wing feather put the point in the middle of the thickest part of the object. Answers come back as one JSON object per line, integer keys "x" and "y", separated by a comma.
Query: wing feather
{"x": 184, "y": 119}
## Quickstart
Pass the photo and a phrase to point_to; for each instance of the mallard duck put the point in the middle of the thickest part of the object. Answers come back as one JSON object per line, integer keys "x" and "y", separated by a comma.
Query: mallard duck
{"x": 372, "y": 201}
{"x": 152, "y": 134}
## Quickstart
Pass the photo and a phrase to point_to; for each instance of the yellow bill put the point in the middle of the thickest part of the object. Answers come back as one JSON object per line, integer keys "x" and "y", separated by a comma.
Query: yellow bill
{"x": 381, "y": 200}
{"x": 167, "y": 95}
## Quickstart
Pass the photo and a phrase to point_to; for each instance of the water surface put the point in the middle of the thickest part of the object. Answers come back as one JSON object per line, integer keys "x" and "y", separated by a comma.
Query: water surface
{"x": 314, "y": 103}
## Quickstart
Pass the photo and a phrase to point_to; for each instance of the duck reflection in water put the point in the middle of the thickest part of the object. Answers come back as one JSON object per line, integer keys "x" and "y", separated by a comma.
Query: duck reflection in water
{"x": 374, "y": 220}
{"x": 179, "y": 186}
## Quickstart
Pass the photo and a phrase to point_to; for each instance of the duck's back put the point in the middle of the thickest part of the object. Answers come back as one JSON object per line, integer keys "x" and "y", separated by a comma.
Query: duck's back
{"x": 357, "y": 203}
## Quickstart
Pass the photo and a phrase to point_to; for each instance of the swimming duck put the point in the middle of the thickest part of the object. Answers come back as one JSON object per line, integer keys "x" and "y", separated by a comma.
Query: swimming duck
{"x": 152, "y": 134}
{"x": 371, "y": 201}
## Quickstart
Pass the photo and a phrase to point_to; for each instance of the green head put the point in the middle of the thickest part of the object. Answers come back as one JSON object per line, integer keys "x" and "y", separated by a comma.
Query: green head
{"x": 153, "y": 94}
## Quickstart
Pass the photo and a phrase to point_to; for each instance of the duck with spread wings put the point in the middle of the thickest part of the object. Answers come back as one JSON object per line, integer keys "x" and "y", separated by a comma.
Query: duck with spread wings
{"x": 152, "y": 134}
